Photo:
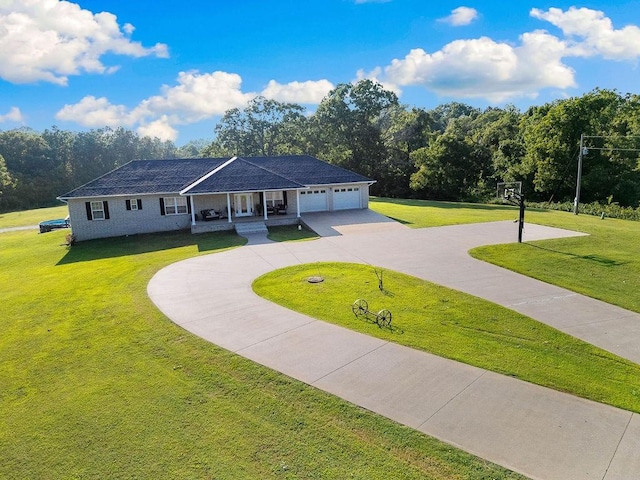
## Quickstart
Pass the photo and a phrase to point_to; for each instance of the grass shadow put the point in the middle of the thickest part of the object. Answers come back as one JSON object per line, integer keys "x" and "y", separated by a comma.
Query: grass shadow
{"x": 598, "y": 259}
{"x": 395, "y": 329}
{"x": 371, "y": 319}
{"x": 147, "y": 243}
{"x": 400, "y": 220}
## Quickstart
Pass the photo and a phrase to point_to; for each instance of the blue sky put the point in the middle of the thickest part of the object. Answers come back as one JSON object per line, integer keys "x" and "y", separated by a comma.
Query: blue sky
{"x": 171, "y": 69}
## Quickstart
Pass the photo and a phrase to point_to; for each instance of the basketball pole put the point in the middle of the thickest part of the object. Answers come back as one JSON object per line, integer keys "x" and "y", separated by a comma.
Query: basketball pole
{"x": 521, "y": 218}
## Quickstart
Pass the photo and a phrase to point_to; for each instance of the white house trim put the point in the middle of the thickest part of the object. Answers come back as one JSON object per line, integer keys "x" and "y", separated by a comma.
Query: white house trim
{"x": 212, "y": 172}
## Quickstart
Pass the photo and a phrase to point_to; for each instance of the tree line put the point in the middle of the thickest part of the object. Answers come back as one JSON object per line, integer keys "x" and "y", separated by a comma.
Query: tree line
{"x": 37, "y": 167}
{"x": 453, "y": 152}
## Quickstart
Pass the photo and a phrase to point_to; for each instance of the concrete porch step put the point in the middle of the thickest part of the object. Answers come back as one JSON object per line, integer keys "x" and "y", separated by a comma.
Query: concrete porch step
{"x": 251, "y": 227}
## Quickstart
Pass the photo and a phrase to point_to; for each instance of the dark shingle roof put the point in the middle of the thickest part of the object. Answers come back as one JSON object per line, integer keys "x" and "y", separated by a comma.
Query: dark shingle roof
{"x": 307, "y": 170}
{"x": 242, "y": 175}
{"x": 147, "y": 177}
{"x": 189, "y": 176}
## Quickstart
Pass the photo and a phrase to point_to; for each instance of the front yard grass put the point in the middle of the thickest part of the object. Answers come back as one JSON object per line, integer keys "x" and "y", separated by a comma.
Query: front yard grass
{"x": 32, "y": 217}
{"x": 95, "y": 383}
{"x": 290, "y": 233}
{"x": 458, "y": 326}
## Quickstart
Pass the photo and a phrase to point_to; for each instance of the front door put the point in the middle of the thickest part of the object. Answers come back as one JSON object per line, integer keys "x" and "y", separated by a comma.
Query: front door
{"x": 243, "y": 204}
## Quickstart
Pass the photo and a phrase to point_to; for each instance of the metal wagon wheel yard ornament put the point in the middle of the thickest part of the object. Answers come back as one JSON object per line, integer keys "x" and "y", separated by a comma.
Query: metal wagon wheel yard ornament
{"x": 360, "y": 308}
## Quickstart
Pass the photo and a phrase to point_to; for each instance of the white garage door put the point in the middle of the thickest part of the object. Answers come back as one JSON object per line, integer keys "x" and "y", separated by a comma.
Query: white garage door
{"x": 346, "y": 197}
{"x": 313, "y": 200}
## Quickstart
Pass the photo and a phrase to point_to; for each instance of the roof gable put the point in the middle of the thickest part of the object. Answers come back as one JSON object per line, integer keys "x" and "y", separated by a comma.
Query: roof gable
{"x": 241, "y": 175}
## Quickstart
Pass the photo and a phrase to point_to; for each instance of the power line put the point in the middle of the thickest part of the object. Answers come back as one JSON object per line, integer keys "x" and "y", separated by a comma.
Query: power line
{"x": 613, "y": 149}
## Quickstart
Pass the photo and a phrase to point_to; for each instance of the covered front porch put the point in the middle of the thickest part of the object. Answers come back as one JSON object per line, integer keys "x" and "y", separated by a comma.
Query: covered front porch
{"x": 222, "y": 224}
{"x": 218, "y": 212}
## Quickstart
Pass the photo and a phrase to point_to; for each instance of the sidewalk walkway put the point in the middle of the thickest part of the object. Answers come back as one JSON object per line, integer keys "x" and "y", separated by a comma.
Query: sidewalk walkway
{"x": 533, "y": 430}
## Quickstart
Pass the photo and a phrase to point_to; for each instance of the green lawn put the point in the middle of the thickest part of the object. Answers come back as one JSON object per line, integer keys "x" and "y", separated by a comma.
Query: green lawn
{"x": 95, "y": 383}
{"x": 290, "y": 233}
{"x": 32, "y": 217}
{"x": 455, "y": 325}
{"x": 604, "y": 265}
{"x": 426, "y": 213}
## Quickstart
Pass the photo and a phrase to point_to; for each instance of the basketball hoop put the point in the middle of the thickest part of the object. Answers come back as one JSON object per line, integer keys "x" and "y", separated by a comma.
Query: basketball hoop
{"x": 511, "y": 192}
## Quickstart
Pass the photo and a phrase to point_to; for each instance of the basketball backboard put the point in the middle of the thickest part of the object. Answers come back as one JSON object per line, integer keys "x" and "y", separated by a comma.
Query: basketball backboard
{"x": 509, "y": 190}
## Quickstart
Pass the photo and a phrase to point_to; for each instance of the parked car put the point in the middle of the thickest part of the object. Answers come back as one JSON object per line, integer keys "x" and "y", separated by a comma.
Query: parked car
{"x": 49, "y": 225}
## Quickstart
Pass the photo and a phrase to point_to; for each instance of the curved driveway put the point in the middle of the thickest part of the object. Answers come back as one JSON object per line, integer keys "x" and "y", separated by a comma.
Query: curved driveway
{"x": 530, "y": 429}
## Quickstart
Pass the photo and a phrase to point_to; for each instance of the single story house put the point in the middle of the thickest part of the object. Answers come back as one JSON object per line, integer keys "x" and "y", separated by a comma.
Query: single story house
{"x": 208, "y": 194}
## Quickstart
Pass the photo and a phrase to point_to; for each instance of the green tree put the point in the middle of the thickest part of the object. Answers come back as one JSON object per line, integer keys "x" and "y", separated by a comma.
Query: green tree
{"x": 264, "y": 128}
{"x": 28, "y": 162}
{"x": 456, "y": 164}
{"x": 499, "y": 131}
{"x": 348, "y": 128}
{"x": 403, "y": 132}
{"x": 42, "y": 166}
{"x": 5, "y": 177}
{"x": 444, "y": 114}
{"x": 193, "y": 149}
{"x": 552, "y": 136}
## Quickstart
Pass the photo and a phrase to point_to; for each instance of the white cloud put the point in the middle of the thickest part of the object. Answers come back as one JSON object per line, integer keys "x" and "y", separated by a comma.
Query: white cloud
{"x": 298, "y": 92}
{"x": 461, "y": 16}
{"x": 500, "y": 71}
{"x": 160, "y": 128}
{"x": 96, "y": 112}
{"x": 594, "y": 33}
{"x": 13, "y": 115}
{"x": 483, "y": 68}
{"x": 196, "y": 97}
{"x": 48, "y": 40}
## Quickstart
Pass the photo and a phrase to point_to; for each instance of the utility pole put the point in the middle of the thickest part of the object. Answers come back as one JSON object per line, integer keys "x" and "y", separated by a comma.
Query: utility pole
{"x": 584, "y": 150}
{"x": 576, "y": 201}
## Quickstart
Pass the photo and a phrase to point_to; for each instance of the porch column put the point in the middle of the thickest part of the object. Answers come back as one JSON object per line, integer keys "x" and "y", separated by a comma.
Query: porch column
{"x": 264, "y": 204}
{"x": 298, "y": 203}
{"x": 228, "y": 208}
{"x": 193, "y": 211}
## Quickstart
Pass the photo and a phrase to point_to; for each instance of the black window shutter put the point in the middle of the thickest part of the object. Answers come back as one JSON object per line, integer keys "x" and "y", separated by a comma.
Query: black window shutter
{"x": 139, "y": 204}
{"x": 284, "y": 197}
{"x": 106, "y": 209}
{"x": 189, "y": 204}
{"x": 161, "y": 206}
{"x": 88, "y": 207}
{"x": 262, "y": 200}
{"x": 128, "y": 202}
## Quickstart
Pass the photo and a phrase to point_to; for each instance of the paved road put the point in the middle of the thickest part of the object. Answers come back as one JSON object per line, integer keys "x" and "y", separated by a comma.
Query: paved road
{"x": 533, "y": 430}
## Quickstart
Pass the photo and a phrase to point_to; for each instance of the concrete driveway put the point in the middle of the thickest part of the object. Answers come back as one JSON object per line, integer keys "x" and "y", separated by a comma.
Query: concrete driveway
{"x": 530, "y": 429}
